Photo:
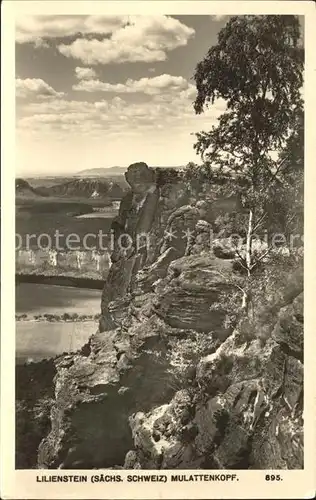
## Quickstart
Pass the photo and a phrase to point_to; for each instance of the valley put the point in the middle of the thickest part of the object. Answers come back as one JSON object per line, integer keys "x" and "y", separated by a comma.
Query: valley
{"x": 65, "y": 206}
{"x": 58, "y": 286}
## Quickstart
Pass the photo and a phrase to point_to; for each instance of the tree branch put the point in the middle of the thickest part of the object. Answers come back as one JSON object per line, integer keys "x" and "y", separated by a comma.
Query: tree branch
{"x": 242, "y": 259}
{"x": 259, "y": 222}
{"x": 279, "y": 167}
{"x": 261, "y": 257}
{"x": 230, "y": 281}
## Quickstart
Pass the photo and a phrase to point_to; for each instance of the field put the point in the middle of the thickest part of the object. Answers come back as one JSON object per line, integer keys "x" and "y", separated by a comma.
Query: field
{"x": 41, "y": 339}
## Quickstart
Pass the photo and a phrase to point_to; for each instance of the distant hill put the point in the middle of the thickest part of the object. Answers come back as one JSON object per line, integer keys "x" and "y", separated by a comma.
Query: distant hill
{"x": 101, "y": 172}
{"x": 111, "y": 171}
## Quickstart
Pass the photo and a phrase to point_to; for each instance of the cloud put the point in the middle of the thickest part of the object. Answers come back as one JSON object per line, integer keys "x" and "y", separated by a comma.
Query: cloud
{"x": 118, "y": 116}
{"x": 73, "y": 133}
{"x": 35, "y": 87}
{"x": 149, "y": 86}
{"x": 84, "y": 73}
{"x": 143, "y": 39}
{"x": 58, "y": 106}
{"x": 36, "y": 28}
{"x": 52, "y": 118}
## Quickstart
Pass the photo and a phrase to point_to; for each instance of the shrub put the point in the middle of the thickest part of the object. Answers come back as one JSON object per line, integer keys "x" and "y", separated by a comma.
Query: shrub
{"x": 185, "y": 353}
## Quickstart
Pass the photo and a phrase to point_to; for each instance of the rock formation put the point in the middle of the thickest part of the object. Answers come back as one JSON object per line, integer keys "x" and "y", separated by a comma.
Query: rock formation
{"x": 120, "y": 401}
{"x": 243, "y": 411}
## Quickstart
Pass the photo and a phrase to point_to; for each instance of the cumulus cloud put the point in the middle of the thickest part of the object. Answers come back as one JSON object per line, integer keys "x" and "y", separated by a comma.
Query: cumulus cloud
{"x": 58, "y": 106}
{"x": 38, "y": 28}
{"x": 149, "y": 86}
{"x": 118, "y": 115}
{"x": 51, "y": 118}
{"x": 85, "y": 73}
{"x": 143, "y": 39}
{"x": 35, "y": 87}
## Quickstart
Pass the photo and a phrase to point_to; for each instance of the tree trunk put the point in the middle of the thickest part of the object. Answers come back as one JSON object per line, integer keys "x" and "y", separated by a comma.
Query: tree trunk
{"x": 247, "y": 299}
{"x": 249, "y": 242}
{"x": 244, "y": 302}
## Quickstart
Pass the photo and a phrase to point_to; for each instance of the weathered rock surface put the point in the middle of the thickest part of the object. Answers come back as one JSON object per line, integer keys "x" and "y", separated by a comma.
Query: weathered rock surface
{"x": 125, "y": 369}
{"x": 185, "y": 297}
{"x": 244, "y": 410}
{"x": 121, "y": 402}
{"x": 96, "y": 390}
{"x": 34, "y": 399}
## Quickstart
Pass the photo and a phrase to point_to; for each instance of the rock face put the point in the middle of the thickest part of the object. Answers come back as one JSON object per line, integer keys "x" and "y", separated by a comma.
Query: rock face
{"x": 243, "y": 411}
{"x": 34, "y": 399}
{"x": 169, "y": 380}
{"x": 125, "y": 369}
{"x": 192, "y": 286}
{"x": 83, "y": 188}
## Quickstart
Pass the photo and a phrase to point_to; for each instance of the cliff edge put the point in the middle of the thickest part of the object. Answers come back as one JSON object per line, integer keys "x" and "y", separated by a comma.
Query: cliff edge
{"x": 174, "y": 378}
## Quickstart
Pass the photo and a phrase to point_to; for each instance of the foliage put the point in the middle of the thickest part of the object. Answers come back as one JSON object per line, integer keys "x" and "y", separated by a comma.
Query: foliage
{"x": 55, "y": 207}
{"x": 276, "y": 285}
{"x": 256, "y": 70}
{"x": 185, "y": 353}
{"x": 166, "y": 176}
{"x": 256, "y": 67}
{"x": 56, "y": 317}
{"x": 20, "y": 317}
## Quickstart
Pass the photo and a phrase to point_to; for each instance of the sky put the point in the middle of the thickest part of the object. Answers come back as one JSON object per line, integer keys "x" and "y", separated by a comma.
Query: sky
{"x": 102, "y": 91}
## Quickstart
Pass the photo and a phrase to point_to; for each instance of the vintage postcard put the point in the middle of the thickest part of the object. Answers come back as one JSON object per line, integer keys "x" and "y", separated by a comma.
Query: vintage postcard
{"x": 158, "y": 250}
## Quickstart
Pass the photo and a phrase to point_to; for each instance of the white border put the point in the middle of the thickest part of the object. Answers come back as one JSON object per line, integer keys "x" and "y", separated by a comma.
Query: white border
{"x": 22, "y": 484}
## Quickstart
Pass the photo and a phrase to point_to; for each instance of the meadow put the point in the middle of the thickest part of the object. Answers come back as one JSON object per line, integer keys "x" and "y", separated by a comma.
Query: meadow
{"x": 56, "y": 319}
{"x": 40, "y": 340}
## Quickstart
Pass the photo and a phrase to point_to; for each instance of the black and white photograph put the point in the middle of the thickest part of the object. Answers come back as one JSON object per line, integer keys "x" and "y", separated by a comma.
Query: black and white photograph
{"x": 159, "y": 233}
{"x": 159, "y": 246}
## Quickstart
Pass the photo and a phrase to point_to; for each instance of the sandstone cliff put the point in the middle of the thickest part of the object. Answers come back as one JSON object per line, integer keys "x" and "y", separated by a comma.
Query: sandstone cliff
{"x": 172, "y": 379}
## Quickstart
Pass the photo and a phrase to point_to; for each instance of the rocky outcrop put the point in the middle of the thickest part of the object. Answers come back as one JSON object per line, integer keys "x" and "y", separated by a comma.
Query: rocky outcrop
{"x": 193, "y": 285}
{"x": 136, "y": 218}
{"x": 172, "y": 379}
{"x": 84, "y": 188}
{"x": 95, "y": 392}
{"x": 77, "y": 264}
{"x": 243, "y": 410}
{"x": 34, "y": 384}
{"x": 125, "y": 369}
